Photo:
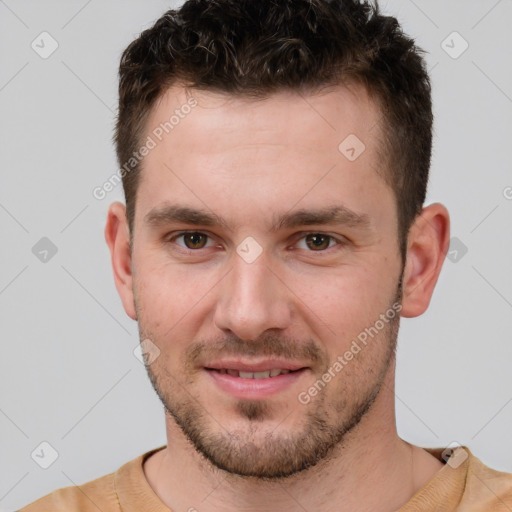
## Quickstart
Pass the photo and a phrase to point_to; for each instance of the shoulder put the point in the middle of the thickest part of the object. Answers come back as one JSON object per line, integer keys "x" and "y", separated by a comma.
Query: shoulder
{"x": 126, "y": 485}
{"x": 464, "y": 484}
{"x": 98, "y": 494}
{"x": 488, "y": 487}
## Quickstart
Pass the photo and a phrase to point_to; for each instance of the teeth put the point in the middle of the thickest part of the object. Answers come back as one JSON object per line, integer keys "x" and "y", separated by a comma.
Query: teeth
{"x": 255, "y": 375}
{"x": 262, "y": 375}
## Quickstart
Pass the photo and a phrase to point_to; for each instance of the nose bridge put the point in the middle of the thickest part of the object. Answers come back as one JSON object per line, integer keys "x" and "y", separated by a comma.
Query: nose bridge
{"x": 252, "y": 299}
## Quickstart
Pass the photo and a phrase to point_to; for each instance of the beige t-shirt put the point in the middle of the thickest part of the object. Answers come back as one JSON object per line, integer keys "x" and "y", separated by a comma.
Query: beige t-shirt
{"x": 464, "y": 484}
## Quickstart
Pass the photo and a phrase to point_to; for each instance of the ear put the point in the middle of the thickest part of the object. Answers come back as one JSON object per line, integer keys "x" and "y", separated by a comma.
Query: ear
{"x": 427, "y": 245}
{"x": 118, "y": 240}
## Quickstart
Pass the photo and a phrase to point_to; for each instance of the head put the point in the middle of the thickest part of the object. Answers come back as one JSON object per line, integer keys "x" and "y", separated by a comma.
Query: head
{"x": 297, "y": 163}
{"x": 252, "y": 49}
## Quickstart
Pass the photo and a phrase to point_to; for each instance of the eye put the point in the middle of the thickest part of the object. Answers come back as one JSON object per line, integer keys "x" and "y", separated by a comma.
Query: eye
{"x": 318, "y": 242}
{"x": 311, "y": 242}
{"x": 192, "y": 240}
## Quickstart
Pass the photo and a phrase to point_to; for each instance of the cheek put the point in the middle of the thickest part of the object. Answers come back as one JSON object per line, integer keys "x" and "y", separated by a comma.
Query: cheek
{"x": 346, "y": 293}
{"x": 343, "y": 304}
{"x": 171, "y": 298}
{"x": 165, "y": 286}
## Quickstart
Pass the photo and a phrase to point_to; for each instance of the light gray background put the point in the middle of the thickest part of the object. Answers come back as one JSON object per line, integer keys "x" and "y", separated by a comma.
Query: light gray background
{"x": 68, "y": 372}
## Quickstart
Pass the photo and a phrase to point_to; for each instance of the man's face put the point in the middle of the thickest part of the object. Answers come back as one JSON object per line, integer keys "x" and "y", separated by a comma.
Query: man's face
{"x": 254, "y": 293}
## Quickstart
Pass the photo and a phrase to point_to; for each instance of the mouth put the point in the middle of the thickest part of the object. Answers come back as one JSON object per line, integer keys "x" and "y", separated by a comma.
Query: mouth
{"x": 256, "y": 381}
{"x": 265, "y": 374}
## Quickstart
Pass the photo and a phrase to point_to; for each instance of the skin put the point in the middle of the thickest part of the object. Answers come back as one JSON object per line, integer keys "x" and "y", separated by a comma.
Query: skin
{"x": 249, "y": 161}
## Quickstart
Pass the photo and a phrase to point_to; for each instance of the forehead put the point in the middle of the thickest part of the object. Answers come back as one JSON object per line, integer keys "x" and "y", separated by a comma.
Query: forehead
{"x": 253, "y": 155}
{"x": 217, "y": 117}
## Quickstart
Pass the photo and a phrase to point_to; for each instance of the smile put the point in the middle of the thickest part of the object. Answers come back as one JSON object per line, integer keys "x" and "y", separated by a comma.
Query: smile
{"x": 258, "y": 384}
{"x": 254, "y": 375}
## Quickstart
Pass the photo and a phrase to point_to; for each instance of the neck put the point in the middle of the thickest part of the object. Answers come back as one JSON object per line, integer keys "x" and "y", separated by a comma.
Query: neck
{"x": 373, "y": 470}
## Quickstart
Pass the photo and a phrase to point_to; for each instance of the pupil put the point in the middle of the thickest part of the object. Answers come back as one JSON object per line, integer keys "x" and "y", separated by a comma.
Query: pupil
{"x": 195, "y": 238}
{"x": 318, "y": 240}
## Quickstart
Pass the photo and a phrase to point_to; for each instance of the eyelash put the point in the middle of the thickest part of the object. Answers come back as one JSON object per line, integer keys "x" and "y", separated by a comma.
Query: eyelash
{"x": 304, "y": 235}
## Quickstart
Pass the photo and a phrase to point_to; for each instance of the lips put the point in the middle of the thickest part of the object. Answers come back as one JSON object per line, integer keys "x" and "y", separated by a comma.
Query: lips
{"x": 254, "y": 375}
{"x": 266, "y": 365}
{"x": 255, "y": 380}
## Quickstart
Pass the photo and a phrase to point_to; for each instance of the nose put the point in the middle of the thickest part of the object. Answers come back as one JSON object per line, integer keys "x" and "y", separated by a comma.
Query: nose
{"x": 253, "y": 298}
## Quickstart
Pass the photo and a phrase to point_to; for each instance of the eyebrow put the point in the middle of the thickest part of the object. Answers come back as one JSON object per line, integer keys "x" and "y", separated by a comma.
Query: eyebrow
{"x": 339, "y": 215}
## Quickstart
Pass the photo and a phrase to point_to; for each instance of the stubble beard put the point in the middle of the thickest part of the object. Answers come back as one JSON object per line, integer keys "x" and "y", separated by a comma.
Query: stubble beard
{"x": 271, "y": 454}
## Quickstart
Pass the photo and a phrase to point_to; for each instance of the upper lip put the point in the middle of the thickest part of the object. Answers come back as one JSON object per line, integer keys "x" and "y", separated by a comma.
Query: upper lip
{"x": 247, "y": 366}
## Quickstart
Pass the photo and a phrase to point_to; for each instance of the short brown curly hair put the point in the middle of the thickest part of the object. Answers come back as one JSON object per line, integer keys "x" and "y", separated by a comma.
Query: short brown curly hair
{"x": 252, "y": 48}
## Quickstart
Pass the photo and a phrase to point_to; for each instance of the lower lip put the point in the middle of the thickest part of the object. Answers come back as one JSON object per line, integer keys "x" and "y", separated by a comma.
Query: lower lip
{"x": 255, "y": 389}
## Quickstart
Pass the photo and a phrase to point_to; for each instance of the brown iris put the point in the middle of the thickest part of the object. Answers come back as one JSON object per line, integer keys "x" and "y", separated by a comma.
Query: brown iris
{"x": 197, "y": 240}
{"x": 319, "y": 241}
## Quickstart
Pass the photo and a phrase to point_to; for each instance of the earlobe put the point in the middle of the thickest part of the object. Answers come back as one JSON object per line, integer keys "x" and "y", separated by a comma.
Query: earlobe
{"x": 427, "y": 244}
{"x": 117, "y": 237}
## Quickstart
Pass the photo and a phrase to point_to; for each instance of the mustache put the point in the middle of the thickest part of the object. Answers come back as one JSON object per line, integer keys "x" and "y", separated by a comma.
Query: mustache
{"x": 269, "y": 345}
